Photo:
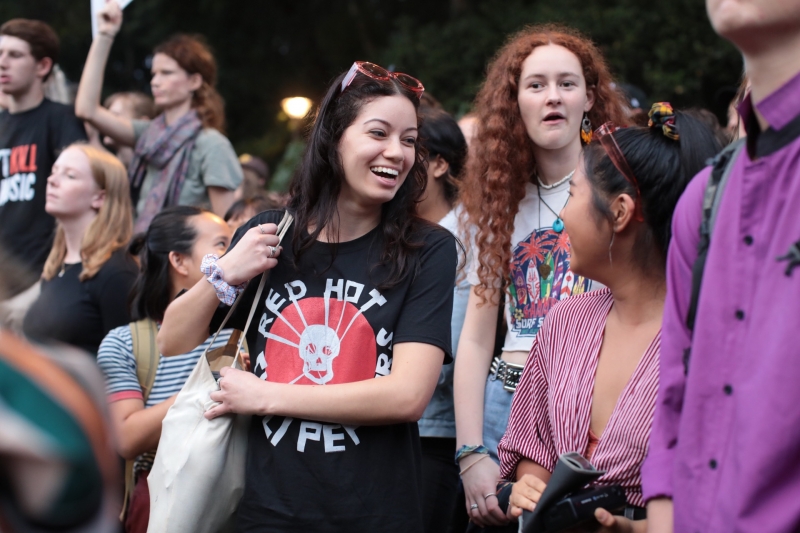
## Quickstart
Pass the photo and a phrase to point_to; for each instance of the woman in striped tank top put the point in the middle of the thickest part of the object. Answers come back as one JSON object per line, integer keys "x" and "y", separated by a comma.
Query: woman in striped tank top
{"x": 595, "y": 392}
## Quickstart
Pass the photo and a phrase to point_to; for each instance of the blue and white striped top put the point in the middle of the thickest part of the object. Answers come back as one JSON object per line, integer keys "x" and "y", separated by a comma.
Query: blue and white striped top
{"x": 118, "y": 363}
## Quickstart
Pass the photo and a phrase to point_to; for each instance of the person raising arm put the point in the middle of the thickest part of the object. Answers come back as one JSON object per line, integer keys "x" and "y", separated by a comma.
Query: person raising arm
{"x": 182, "y": 156}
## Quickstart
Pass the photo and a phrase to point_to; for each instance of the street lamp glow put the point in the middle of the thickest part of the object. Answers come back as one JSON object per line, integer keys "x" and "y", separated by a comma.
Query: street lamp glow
{"x": 296, "y": 107}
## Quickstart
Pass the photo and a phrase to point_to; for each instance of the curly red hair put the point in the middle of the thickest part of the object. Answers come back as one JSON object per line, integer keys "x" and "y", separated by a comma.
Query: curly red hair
{"x": 501, "y": 157}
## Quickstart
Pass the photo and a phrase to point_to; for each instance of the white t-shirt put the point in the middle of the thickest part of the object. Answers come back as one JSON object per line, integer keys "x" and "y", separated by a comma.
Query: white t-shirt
{"x": 540, "y": 274}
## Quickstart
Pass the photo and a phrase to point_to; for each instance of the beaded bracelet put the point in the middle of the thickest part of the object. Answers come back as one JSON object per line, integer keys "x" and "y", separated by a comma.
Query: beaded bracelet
{"x": 465, "y": 451}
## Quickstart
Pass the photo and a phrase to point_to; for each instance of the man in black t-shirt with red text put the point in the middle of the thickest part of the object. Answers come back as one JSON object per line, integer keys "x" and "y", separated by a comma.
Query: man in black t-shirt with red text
{"x": 32, "y": 132}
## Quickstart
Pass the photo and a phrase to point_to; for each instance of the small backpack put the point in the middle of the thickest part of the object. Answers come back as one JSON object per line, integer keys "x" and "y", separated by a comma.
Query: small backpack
{"x": 145, "y": 352}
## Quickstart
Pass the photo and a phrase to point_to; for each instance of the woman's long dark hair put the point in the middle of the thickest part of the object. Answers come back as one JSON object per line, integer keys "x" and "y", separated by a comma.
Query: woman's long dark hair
{"x": 170, "y": 231}
{"x": 663, "y": 168}
{"x": 316, "y": 186}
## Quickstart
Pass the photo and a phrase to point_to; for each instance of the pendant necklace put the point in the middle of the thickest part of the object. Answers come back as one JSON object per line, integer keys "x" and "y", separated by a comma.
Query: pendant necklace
{"x": 558, "y": 224}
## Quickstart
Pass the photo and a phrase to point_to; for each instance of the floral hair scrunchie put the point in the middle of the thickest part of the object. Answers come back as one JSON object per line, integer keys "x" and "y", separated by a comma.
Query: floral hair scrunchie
{"x": 663, "y": 116}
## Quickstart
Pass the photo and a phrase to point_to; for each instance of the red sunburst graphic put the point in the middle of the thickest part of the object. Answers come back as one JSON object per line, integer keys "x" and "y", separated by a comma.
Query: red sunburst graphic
{"x": 308, "y": 351}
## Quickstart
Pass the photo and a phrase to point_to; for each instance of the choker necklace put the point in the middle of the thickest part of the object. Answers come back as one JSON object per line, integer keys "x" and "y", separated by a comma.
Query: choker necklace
{"x": 556, "y": 184}
{"x": 558, "y": 224}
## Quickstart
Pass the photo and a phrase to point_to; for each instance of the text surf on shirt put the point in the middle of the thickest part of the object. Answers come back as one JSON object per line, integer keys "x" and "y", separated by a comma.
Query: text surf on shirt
{"x": 540, "y": 278}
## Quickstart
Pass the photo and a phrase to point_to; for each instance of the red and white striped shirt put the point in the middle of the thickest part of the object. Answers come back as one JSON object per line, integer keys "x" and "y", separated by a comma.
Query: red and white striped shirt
{"x": 551, "y": 411}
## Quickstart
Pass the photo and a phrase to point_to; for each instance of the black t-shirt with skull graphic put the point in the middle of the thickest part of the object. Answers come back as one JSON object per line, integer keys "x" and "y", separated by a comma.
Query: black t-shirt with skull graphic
{"x": 325, "y": 321}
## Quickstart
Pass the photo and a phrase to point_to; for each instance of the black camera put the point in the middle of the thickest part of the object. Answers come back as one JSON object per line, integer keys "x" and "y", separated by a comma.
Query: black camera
{"x": 577, "y": 509}
{"x": 566, "y": 503}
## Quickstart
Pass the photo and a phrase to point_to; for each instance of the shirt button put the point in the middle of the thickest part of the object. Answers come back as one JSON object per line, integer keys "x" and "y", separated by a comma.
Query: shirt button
{"x": 712, "y": 464}
{"x": 728, "y": 389}
{"x": 748, "y": 240}
{"x": 739, "y": 314}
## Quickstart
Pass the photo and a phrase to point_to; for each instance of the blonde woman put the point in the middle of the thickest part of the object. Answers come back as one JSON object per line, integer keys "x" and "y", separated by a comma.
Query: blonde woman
{"x": 88, "y": 274}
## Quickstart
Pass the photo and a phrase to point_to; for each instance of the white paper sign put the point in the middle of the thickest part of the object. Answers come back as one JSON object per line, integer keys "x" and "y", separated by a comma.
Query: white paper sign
{"x": 97, "y": 5}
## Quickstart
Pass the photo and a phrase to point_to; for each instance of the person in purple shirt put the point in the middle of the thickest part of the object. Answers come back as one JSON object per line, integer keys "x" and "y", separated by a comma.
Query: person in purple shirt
{"x": 725, "y": 446}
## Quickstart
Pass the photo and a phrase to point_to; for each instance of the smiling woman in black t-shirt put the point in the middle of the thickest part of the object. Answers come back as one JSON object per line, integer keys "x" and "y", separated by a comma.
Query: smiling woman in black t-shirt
{"x": 362, "y": 289}
{"x": 88, "y": 274}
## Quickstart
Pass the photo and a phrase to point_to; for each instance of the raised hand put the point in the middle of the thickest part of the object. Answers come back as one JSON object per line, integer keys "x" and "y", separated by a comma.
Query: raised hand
{"x": 255, "y": 252}
{"x": 109, "y": 19}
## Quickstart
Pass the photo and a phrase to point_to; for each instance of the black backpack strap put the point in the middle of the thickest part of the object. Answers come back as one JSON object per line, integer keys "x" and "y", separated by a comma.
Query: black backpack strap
{"x": 723, "y": 166}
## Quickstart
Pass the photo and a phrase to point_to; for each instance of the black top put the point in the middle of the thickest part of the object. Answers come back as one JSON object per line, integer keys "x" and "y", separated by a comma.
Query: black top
{"x": 336, "y": 326}
{"x": 81, "y": 313}
{"x": 29, "y": 145}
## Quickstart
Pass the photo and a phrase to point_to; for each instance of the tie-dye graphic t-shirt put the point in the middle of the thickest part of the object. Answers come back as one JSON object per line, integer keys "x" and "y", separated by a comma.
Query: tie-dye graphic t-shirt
{"x": 323, "y": 322}
{"x": 540, "y": 273}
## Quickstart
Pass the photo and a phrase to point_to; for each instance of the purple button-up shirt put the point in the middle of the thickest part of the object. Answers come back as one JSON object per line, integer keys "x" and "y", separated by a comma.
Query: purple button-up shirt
{"x": 725, "y": 444}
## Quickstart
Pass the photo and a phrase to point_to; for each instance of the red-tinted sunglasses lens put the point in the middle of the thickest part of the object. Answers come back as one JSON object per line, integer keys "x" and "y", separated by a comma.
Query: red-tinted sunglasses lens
{"x": 374, "y": 71}
{"x": 409, "y": 81}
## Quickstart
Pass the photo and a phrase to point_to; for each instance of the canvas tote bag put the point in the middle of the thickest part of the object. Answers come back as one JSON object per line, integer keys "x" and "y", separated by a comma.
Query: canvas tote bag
{"x": 198, "y": 474}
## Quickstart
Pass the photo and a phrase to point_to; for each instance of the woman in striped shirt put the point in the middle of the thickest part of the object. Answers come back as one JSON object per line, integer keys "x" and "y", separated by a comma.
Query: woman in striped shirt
{"x": 595, "y": 392}
{"x": 170, "y": 252}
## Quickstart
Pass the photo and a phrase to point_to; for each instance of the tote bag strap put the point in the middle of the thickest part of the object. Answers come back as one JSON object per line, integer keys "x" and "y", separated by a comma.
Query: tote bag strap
{"x": 283, "y": 227}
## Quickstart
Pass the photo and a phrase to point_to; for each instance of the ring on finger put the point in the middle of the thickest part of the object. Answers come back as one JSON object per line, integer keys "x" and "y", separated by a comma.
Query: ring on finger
{"x": 271, "y": 252}
{"x": 473, "y": 506}
{"x": 486, "y": 496}
{"x": 261, "y": 229}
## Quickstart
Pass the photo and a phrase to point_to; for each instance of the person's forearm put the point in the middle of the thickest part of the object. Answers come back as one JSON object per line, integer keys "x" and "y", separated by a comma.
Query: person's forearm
{"x": 362, "y": 403}
{"x": 221, "y": 200}
{"x": 469, "y": 382}
{"x": 472, "y": 367}
{"x": 186, "y": 320}
{"x": 660, "y": 516}
{"x": 526, "y": 466}
{"x": 141, "y": 431}
{"x": 87, "y": 100}
{"x": 399, "y": 397}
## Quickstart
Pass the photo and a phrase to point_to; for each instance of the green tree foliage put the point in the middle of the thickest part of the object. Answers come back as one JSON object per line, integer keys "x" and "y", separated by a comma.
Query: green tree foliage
{"x": 668, "y": 49}
{"x": 269, "y": 50}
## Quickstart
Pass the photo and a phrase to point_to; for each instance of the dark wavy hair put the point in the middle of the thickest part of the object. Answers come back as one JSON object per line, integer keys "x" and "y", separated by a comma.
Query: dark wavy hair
{"x": 315, "y": 187}
{"x": 501, "y": 157}
{"x": 663, "y": 167}
{"x": 170, "y": 231}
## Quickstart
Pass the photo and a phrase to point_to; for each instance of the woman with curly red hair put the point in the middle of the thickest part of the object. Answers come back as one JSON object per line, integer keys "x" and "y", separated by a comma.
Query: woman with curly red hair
{"x": 544, "y": 93}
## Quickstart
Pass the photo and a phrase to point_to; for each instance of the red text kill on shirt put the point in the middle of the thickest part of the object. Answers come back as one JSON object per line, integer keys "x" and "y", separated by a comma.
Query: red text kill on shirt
{"x": 18, "y": 168}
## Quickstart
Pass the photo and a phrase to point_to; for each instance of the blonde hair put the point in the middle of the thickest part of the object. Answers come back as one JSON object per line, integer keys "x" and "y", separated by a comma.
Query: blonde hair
{"x": 113, "y": 226}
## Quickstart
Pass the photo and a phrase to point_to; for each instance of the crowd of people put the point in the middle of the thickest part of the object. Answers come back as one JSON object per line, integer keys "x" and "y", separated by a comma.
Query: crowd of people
{"x": 455, "y": 308}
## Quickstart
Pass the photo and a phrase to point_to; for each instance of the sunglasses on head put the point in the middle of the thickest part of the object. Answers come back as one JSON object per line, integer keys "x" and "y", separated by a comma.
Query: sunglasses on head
{"x": 604, "y": 134}
{"x": 377, "y": 72}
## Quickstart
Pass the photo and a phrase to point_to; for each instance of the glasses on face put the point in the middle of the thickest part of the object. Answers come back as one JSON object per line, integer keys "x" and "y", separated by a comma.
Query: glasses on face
{"x": 604, "y": 134}
{"x": 377, "y": 72}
